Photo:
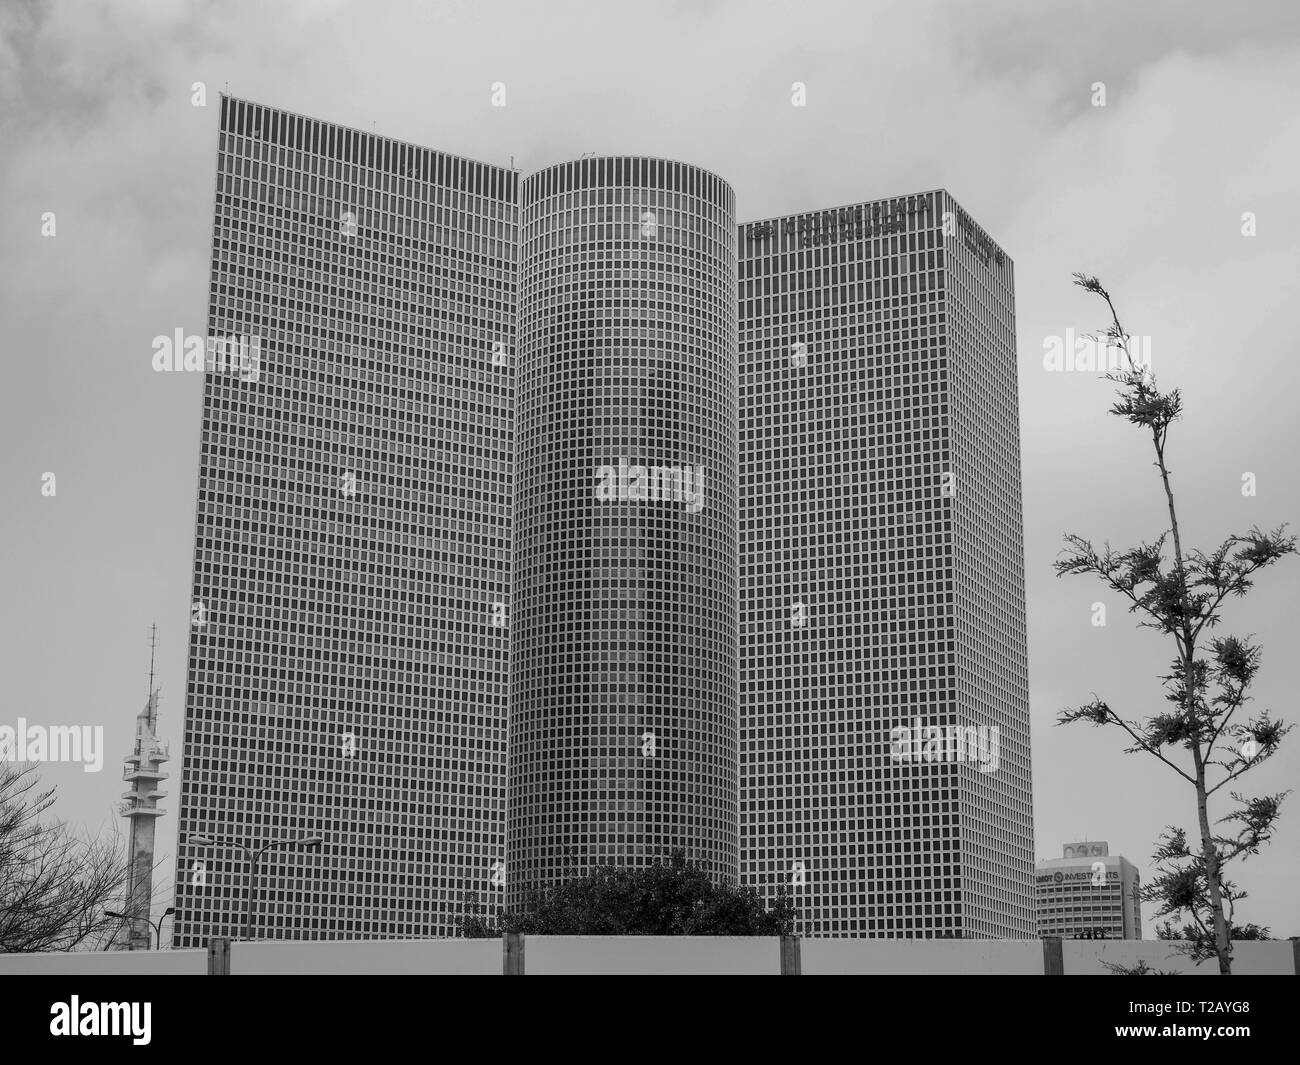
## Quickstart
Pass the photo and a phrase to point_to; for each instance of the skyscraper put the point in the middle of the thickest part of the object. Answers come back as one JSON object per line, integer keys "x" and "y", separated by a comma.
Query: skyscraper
{"x": 623, "y": 715}
{"x": 347, "y": 650}
{"x": 885, "y": 721}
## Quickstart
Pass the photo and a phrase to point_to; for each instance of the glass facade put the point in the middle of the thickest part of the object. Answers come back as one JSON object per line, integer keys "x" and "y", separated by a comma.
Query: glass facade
{"x": 623, "y": 710}
{"x": 347, "y": 655}
{"x": 882, "y": 582}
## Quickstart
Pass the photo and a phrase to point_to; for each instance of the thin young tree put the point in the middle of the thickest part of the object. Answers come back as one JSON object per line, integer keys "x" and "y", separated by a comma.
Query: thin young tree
{"x": 1180, "y": 593}
{"x": 54, "y": 885}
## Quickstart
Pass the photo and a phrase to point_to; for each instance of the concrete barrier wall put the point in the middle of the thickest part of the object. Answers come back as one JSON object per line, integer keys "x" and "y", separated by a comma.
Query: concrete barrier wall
{"x": 107, "y": 963}
{"x": 917, "y": 957}
{"x": 1087, "y": 957}
{"x": 368, "y": 957}
{"x": 652, "y": 955}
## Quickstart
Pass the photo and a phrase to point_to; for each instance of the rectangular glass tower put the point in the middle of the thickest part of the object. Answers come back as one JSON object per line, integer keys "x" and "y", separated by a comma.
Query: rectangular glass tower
{"x": 882, "y": 574}
{"x": 347, "y": 658}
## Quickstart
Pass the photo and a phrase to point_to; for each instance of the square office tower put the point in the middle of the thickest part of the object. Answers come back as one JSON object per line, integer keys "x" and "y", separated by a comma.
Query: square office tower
{"x": 884, "y": 690}
{"x": 347, "y": 655}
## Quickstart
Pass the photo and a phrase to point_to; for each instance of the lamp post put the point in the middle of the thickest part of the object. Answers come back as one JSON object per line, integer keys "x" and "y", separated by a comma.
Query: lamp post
{"x": 253, "y": 857}
{"x": 156, "y": 926}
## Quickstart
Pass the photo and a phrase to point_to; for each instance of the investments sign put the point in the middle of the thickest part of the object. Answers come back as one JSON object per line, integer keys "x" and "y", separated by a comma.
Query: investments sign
{"x": 1074, "y": 876}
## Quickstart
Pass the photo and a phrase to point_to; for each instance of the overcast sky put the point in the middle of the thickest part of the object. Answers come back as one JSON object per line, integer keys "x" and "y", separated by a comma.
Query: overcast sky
{"x": 994, "y": 101}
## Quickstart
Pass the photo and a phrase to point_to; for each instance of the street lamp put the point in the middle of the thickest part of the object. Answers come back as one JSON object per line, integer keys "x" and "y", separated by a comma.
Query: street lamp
{"x": 156, "y": 926}
{"x": 253, "y": 857}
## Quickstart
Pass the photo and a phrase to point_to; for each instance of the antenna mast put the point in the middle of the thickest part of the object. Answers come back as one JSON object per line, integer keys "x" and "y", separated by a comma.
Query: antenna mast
{"x": 153, "y": 646}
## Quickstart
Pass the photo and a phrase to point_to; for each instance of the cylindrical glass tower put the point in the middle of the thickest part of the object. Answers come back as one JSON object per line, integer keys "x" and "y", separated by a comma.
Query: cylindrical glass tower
{"x": 623, "y": 727}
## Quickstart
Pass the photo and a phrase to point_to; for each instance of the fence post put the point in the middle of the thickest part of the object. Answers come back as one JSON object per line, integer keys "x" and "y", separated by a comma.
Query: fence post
{"x": 219, "y": 957}
{"x": 791, "y": 957}
{"x": 512, "y": 949}
{"x": 1053, "y": 956}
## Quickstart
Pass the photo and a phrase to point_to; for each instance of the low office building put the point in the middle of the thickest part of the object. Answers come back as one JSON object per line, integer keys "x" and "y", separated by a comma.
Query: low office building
{"x": 1089, "y": 892}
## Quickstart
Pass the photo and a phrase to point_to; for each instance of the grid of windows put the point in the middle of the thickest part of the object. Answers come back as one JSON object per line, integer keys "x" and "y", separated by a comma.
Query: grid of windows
{"x": 1080, "y": 908}
{"x": 347, "y": 669}
{"x": 623, "y": 711}
{"x": 992, "y": 674}
{"x": 863, "y": 495}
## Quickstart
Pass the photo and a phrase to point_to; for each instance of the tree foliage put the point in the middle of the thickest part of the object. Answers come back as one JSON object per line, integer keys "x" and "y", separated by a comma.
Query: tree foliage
{"x": 54, "y": 885}
{"x": 673, "y": 898}
{"x": 1190, "y": 933}
{"x": 1140, "y": 969}
{"x": 1180, "y": 593}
